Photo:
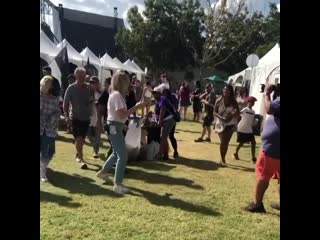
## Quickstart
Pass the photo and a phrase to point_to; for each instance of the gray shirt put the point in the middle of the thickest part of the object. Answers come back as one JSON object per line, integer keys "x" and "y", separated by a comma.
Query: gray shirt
{"x": 80, "y": 98}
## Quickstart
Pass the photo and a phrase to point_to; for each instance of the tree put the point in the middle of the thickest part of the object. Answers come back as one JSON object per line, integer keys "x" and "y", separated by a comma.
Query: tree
{"x": 271, "y": 30}
{"x": 226, "y": 31}
{"x": 155, "y": 38}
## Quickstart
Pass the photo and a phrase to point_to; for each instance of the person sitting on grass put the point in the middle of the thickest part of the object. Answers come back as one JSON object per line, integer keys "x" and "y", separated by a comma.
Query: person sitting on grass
{"x": 245, "y": 131}
{"x": 208, "y": 119}
{"x": 268, "y": 162}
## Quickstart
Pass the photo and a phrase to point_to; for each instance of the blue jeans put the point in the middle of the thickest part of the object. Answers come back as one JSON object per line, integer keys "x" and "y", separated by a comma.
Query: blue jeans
{"x": 119, "y": 151}
{"x": 94, "y": 137}
{"x": 47, "y": 147}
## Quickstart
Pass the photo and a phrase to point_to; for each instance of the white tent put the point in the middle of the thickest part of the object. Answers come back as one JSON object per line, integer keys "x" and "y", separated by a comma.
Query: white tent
{"x": 266, "y": 70}
{"x": 94, "y": 60}
{"x": 107, "y": 64}
{"x": 130, "y": 67}
{"x": 137, "y": 67}
{"x": 47, "y": 48}
{"x": 73, "y": 55}
{"x": 120, "y": 64}
{"x": 48, "y": 51}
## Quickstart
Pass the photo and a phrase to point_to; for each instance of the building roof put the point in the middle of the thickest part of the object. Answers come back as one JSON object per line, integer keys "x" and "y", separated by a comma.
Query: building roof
{"x": 91, "y": 18}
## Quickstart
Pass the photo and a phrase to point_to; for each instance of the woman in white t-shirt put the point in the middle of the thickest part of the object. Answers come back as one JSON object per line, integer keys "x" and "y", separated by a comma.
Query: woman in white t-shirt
{"x": 245, "y": 129}
{"x": 117, "y": 116}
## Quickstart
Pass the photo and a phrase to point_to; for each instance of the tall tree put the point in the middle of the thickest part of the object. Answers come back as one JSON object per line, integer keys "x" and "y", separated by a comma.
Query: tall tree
{"x": 155, "y": 38}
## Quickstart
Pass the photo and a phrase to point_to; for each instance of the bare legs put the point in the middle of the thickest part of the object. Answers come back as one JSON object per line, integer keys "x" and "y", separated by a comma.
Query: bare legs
{"x": 225, "y": 137}
{"x": 184, "y": 111}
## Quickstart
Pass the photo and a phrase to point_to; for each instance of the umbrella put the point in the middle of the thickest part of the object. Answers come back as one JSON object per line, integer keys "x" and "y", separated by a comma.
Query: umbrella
{"x": 215, "y": 78}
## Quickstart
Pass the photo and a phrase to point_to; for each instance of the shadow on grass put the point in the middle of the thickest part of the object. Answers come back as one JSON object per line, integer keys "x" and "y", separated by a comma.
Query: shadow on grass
{"x": 166, "y": 201}
{"x": 78, "y": 184}
{"x": 71, "y": 140}
{"x": 189, "y": 131}
{"x": 196, "y": 163}
{"x": 58, "y": 199}
{"x": 235, "y": 167}
{"x": 65, "y": 139}
{"x": 156, "y": 178}
{"x": 152, "y": 165}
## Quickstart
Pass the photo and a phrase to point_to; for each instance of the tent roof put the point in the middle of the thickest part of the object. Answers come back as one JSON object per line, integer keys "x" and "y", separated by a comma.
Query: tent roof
{"x": 271, "y": 57}
{"x": 120, "y": 64}
{"x": 87, "y": 53}
{"x": 73, "y": 55}
{"x": 47, "y": 47}
{"x": 136, "y": 66}
{"x": 130, "y": 67}
{"x": 106, "y": 61}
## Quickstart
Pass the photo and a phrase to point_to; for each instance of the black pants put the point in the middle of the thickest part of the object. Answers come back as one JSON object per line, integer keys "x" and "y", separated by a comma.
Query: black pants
{"x": 173, "y": 139}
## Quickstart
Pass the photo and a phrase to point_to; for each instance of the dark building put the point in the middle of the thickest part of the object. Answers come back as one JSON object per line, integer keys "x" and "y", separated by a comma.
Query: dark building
{"x": 82, "y": 29}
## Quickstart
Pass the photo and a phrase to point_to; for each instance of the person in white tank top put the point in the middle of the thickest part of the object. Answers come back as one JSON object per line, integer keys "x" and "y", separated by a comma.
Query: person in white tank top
{"x": 146, "y": 96}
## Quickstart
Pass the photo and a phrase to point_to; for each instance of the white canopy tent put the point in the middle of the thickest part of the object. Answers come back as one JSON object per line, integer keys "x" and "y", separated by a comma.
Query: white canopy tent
{"x": 268, "y": 67}
{"x": 120, "y": 64}
{"x": 73, "y": 55}
{"x": 94, "y": 60}
{"x": 137, "y": 67}
{"x": 130, "y": 67}
{"x": 48, "y": 51}
{"x": 47, "y": 48}
{"x": 107, "y": 64}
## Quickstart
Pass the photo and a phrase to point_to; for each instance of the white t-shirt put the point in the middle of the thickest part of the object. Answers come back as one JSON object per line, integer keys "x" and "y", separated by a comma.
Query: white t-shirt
{"x": 116, "y": 102}
{"x": 247, "y": 119}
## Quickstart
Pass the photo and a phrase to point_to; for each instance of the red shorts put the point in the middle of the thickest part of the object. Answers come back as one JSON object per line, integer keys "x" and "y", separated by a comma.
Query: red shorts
{"x": 267, "y": 167}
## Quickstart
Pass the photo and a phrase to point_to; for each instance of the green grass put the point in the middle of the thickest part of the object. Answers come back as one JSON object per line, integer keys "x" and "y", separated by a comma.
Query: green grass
{"x": 191, "y": 198}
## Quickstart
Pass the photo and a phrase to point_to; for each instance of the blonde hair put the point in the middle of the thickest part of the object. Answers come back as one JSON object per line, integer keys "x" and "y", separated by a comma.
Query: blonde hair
{"x": 120, "y": 82}
{"x": 45, "y": 85}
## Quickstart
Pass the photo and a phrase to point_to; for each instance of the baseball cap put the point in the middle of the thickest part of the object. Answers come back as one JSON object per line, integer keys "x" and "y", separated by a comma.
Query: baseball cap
{"x": 251, "y": 99}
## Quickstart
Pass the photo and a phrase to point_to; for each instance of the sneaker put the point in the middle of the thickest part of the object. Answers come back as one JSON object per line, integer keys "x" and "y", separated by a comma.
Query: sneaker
{"x": 208, "y": 140}
{"x": 254, "y": 208}
{"x": 120, "y": 189}
{"x": 83, "y": 165}
{"x": 104, "y": 176}
{"x": 44, "y": 179}
{"x": 254, "y": 160}
{"x": 275, "y": 206}
{"x": 199, "y": 140}
{"x": 175, "y": 154}
{"x": 235, "y": 156}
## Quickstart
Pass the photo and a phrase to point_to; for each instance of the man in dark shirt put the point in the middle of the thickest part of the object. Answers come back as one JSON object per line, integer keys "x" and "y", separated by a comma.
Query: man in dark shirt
{"x": 268, "y": 162}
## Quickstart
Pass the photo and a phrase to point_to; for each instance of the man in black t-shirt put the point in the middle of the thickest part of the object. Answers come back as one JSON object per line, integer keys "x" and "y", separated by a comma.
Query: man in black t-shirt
{"x": 102, "y": 103}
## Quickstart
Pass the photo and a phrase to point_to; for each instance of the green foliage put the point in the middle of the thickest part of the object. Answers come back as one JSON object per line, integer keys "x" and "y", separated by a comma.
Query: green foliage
{"x": 173, "y": 34}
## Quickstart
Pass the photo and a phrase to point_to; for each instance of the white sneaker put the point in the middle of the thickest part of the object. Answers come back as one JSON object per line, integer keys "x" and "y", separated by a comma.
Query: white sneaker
{"x": 44, "y": 179}
{"x": 104, "y": 177}
{"x": 120, "y": 189}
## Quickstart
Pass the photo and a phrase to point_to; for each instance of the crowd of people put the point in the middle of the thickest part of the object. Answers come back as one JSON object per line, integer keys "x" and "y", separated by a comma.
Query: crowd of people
{"x": 91, "y": 109}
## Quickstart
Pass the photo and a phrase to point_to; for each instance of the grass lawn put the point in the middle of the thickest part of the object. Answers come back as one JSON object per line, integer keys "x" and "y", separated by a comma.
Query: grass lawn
{"x": 190, "y": 198}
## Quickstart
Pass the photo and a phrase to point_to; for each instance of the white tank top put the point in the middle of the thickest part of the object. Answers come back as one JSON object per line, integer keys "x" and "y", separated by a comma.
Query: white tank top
{"x": 148, "y": 93}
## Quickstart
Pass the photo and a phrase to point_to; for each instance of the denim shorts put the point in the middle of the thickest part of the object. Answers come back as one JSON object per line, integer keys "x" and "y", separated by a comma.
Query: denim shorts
{"x": 168, "y": 125}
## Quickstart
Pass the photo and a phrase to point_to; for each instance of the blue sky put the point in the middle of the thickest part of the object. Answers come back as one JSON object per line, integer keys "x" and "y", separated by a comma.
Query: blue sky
{"x": 105, "y": 7}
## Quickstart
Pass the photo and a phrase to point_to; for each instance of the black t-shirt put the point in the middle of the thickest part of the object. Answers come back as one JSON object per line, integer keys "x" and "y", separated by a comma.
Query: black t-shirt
{"x": 103, "y": 99}
{"x": 196, "y": 92}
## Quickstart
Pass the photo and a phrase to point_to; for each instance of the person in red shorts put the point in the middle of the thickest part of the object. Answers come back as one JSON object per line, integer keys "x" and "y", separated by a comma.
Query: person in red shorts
{"x": 268, "y": 162}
